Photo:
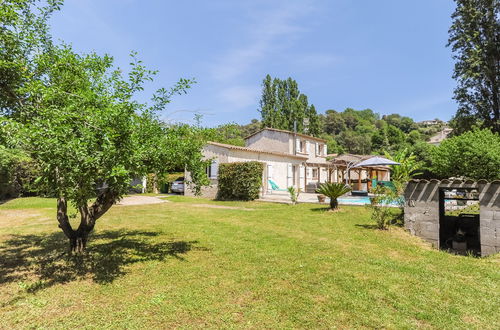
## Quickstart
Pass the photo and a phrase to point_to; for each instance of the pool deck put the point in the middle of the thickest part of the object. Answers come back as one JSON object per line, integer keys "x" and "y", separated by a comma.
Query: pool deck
{"x": 284, "y": 197}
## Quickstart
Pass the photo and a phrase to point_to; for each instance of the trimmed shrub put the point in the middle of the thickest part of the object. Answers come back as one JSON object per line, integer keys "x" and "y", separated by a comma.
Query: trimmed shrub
{"x": 240, "y": 181}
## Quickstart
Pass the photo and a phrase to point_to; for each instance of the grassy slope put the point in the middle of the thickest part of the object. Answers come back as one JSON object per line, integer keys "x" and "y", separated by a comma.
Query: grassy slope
{"x": 176, "y": 264}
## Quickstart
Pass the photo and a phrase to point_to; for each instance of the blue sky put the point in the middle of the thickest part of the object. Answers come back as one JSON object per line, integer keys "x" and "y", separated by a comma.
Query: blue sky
{"x": 386, "y": 55}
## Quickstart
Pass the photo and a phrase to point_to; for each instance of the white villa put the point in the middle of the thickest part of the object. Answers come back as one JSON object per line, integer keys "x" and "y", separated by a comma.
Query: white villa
{"x": 291, "y": 159}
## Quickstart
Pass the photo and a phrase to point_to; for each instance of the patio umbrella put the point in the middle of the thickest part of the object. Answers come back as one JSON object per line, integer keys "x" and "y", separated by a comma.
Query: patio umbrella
{"x": 376, "y": 161}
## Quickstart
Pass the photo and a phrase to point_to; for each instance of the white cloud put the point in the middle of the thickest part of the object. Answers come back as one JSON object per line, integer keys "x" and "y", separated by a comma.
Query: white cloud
{"x": 239, "y": 97}
{"x": 271, "y": 30}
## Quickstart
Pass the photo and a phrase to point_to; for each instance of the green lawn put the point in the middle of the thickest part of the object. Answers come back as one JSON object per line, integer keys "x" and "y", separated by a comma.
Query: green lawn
{"x": 183, "y": 264}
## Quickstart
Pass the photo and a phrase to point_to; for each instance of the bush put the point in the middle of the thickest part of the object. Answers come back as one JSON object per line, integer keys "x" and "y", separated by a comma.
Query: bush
{"x": 381, "y": 213}
{"x": 240, "y": 181}
{"x": 17, "y": 173}
{"x": 294, "y": 194}
{"x": 474, "y": 155}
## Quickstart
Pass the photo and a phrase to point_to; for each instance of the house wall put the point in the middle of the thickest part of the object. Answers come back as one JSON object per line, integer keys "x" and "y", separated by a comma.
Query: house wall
{"x": 311, "y": 155}
{"x": 421, "y": 211}
{"x": 279, "y": 164}
{"x": 210, "y": 151}
{"x": 271, "y": 141}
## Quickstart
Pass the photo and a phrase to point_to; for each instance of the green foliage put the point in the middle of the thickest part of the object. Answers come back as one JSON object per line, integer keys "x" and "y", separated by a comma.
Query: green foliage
{"x": 17, "y": 173}
{"x": 380, "y": 213}
{"x": 84, "y": 128}
{"x": 408, "y": 168}
{"x": 475, "y": 42}
{"x": 474, "y": 154}
{"x": 23, "y": 35}
{"x": 332, "y": 145}
{"x": 78, "y": 118}
{"x": 282, "y": 106}
{"x": 422, "y": 152}
{"x": 333, "y": 191}
{"x": 294, "y": 194}
{"x": 229, "y": 134}
{"x": 240, "y": 181}
{"x": 363, "y": 132}
{"x": 466, "y": 209}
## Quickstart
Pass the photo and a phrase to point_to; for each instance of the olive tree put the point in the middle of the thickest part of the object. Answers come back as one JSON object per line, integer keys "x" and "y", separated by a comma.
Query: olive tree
{"x": 90, "y": 136}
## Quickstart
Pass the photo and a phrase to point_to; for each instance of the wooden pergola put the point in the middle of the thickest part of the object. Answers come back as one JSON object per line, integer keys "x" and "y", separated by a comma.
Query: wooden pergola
{"x": 343, "y": 164}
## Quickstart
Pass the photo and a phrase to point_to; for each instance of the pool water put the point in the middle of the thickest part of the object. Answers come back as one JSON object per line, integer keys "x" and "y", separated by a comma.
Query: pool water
{"x": 360, "y": 200}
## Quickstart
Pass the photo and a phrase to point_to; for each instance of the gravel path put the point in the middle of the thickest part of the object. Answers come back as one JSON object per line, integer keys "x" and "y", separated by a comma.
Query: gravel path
{"x": 140, "y": 200}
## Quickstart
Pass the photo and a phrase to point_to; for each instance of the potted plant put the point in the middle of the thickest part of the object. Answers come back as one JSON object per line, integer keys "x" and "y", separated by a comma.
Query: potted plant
{"x": 321, "y": 198}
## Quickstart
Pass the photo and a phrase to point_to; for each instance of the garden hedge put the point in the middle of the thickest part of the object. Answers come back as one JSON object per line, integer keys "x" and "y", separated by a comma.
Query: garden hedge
{"x": 240, "y": 181}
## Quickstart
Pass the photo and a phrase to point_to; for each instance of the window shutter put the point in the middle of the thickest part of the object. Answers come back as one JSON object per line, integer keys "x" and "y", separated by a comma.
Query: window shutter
{"x": 324, "y": 150}
{"x": 307, "y": 147}
{"x": 214, "y": 170}
{"x": 269, "y": 171}
{"x": 297, "y": 145}
{"x": 289, "y": 176}
{"x": 317, "y": 148}
{"x": 301, "y": 174}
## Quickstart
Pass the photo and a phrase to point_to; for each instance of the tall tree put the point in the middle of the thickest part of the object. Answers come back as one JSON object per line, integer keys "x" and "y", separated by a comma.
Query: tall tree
{"x": 283, "y": 106}
{"x": 314, "y": 126}
{"x": 268, "y": 102}
{"x": 475, "y": 41}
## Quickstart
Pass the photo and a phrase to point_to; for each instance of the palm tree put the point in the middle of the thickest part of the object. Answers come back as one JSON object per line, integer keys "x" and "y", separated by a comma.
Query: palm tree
{"x": 333, "y": 191}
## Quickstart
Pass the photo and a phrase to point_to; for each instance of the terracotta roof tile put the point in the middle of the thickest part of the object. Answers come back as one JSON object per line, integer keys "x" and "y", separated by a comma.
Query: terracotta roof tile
{"x": 275, "y": 153}
{"x": 284, "y": 131}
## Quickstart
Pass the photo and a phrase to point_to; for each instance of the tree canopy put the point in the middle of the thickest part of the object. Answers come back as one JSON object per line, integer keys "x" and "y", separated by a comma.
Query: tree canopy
{"x": 78, "y": 117}
{"x": 282, "y": 106}
{"x": 474, "y": 154}
{"x": 475, "y": 42}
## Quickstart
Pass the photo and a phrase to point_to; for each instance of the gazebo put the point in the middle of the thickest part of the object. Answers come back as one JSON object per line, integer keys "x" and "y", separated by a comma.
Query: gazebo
{"x": 346, "y": 165}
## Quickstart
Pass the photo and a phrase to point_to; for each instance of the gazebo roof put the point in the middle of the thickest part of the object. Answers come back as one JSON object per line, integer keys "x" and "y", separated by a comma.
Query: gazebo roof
{"x": 344, "y": 159}
{"x": 350, "y": 159}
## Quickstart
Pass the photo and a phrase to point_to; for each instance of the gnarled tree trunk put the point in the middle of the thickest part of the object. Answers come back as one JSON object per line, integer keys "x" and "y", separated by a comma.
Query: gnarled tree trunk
{"x": 88, "y": 215}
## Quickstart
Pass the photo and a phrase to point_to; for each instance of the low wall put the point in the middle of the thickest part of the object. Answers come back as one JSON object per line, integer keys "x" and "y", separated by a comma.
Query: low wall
{"x": 422, "y": 210}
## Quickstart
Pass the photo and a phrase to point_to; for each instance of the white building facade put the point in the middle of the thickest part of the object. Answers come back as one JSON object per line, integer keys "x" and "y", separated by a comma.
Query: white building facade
{"x": 290, "y": 159}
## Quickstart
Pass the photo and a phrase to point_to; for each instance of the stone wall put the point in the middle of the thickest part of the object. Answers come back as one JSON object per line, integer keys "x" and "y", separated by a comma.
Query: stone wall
{"x": 422, "y": 210}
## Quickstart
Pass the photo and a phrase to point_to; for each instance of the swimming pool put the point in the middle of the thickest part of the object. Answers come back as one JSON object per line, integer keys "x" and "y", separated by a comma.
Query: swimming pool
{"x": 360, "y": 200}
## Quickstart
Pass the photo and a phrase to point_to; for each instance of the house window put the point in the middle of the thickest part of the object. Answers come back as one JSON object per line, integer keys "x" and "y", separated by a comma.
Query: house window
{"x": 302, "y": 145}
{"x": 315, "y": 173}
{"x": 213, "y": 170}
{"x": 320, "y": 150}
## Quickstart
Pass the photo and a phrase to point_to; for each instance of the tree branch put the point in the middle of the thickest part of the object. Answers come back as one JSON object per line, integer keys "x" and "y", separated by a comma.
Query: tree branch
{"x": 62, "y": 217}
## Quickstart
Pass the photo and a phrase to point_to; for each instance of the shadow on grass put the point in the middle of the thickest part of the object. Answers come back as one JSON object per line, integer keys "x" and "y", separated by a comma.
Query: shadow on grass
{"x": 40, "y": 257}
{"x": 339, "y": 210}
{"x": 3, "y": 201}
{"x": 320, "y": 209}
{"x": 367, "y": 226}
